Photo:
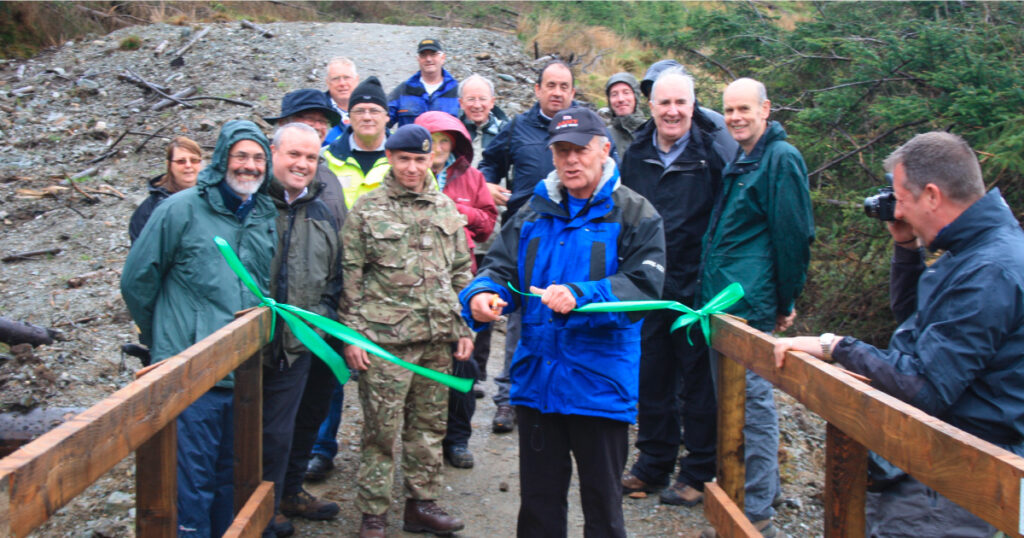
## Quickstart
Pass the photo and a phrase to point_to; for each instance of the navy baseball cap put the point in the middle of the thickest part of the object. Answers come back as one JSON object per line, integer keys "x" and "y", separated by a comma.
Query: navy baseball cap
{"x": 576, "y": 125}
{"x": 411, "y": 138}
{"x": 429, "y": 44}
{"x": 301, "y": 100}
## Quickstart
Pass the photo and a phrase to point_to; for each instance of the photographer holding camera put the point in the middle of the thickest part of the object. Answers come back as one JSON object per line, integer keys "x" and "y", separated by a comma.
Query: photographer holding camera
{"x": 957, "y": 352}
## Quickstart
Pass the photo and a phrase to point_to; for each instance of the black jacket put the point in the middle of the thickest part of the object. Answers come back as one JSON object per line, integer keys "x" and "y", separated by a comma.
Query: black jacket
{"x": 145, "y": 209}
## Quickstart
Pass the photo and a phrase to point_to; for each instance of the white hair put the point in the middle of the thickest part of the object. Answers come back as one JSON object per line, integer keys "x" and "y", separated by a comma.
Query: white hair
{"x": 294, "y": 126}
{"x": 475, "y": 77}
{"x": 675, "y": 73}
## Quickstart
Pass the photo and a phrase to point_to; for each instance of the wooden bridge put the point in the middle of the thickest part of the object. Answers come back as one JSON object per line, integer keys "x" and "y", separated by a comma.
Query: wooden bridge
{"x": 46, "y": 474}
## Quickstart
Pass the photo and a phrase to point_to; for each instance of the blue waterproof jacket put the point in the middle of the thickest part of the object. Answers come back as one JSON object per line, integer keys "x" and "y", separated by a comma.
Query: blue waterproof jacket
{"x": 958, "y": 356}
{"x": 410, "y": 99}
{"x": 612, "y": 250}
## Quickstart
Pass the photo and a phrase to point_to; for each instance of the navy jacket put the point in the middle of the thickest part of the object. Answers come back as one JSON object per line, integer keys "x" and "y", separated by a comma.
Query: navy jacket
{"x": 523, "y": 145}
{"x": 958, "y": 356}
{"x": 410, "y": 99}
{"x": 683, "y": 193}
{"x": 142, "y": 213}
{"x": 612, "y": 250}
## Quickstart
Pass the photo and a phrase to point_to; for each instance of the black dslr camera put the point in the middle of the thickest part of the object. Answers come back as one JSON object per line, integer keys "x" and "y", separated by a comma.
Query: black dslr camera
{"x": 882, "y": 205}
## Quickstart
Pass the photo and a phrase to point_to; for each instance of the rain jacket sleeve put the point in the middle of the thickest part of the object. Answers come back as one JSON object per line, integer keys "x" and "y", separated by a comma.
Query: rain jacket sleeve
{"x": 791, "y": 222}
{"x": 143, "y": 274}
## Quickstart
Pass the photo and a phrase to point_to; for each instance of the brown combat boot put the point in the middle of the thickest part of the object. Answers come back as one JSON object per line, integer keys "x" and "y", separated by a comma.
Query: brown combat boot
{"x": 373, "y": 526}
{"x": 427, "y": 516}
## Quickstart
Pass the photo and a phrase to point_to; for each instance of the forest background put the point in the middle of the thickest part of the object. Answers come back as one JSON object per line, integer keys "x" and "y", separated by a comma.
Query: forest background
{"x": 849, "y": 81}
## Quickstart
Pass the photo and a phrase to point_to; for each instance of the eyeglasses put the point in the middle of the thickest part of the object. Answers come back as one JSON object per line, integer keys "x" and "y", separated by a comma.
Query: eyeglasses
{"x": 258, "y": 158}
{"x": 184, "y": 161}
{"x": 475, "y": 100}
{"x": 366, "y": 112}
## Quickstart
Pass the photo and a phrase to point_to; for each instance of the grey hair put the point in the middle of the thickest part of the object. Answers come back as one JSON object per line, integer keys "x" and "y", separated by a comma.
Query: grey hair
{"x": 342, "y": 60}
{"x": 762, "y": 92}
{"x": 476, "y": 77}
{"x": 280, "y": 132}
{"x": 943, "y": 159}
{"x": 675, "y": 72}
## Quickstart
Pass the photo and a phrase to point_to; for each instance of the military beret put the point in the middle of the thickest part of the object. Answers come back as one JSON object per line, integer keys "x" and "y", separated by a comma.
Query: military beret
{"x": 411, "y": 138}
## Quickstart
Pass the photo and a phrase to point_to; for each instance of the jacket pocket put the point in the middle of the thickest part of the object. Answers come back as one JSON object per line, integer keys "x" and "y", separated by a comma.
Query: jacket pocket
{"x": 390, "y": 244}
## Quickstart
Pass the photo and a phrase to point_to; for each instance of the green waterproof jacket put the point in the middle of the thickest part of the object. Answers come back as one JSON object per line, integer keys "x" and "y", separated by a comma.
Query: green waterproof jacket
{"x": 175, "y": 282}
{"x": 760, "y": 230}
{"x": 306, "y": 270}
{"x": 405, "y": 260}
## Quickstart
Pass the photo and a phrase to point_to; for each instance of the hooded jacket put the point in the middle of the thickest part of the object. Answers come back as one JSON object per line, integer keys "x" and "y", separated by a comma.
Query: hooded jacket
{"x": 142, "y": 213}
{"x": 612, "y": 250}
{"x": 464, "y": 184}
{"x": 410, "y": 99}
{"x": 404, "y": 260}
{"x": 623, "y": 127}
{"x": 175, "y": 282}
{"x": 958, "y": 356}
{"x": 683, "y": 193}
{"x": 761, "y": 231}
{"x": 306, "y": 269}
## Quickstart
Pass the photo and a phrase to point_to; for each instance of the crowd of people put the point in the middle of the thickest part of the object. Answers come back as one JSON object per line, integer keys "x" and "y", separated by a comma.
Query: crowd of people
{"x": 406, "y": 216}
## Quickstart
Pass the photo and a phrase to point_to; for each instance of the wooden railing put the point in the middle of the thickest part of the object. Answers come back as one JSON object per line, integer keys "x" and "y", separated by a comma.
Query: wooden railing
{"x": 46, "y": 474}
{"x": 977, "y": 475}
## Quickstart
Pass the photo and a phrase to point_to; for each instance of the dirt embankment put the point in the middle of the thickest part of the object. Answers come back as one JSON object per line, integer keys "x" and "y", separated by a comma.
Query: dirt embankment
{"x": 68, "y": 107}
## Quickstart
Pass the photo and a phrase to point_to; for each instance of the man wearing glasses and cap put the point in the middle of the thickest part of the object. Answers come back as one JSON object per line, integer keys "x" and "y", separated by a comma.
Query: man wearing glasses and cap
{"x": 584, "y": 238}
{"x": 431, "y": 88}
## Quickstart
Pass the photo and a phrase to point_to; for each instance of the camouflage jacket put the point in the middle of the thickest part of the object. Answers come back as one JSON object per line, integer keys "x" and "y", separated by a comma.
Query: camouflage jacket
{"x": 404, "y": 262}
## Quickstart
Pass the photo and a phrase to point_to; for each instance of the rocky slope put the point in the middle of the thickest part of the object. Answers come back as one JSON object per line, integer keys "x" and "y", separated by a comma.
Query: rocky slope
{"x": 64, "y": 113}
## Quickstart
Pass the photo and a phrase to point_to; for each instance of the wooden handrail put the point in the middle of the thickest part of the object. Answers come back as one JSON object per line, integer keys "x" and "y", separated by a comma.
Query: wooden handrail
{"x": 977, "y": 475}
{"x": 44, "y": 475}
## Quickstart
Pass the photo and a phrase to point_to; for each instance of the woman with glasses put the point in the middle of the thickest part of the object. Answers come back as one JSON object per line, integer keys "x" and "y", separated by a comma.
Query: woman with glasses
{"x": 184, "y": 161}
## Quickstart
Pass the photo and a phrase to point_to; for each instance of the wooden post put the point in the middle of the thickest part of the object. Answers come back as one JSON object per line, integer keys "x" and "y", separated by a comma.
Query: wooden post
{"x": 846, "y": 474}
{"x": 732, "y": 399}
{"x": 248, "y": 427}
{"x": 156, "y": 492}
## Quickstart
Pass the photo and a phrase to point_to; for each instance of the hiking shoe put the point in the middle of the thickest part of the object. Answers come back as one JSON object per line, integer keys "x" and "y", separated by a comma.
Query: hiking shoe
{"x": 318, "y": 467}
{"x": 504, "y": 419}
{"x": 427, "y": 516}
{"x": 632, "y": 484}
{"x": 303, "y": 504}
{"x": 680, "y": 494}
{"x": 281, "y": 527}
{"x": 373, "y": 526}
{"x": 459, "y": 456}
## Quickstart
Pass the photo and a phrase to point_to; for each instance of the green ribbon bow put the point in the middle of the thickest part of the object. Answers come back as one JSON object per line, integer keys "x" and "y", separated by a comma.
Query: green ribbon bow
{"x": 726, "y": 298}
{"x": 309, "y": 338}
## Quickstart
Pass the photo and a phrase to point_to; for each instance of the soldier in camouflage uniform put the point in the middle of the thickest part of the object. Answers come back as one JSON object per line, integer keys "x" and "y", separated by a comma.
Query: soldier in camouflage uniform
{"x": 405, "y": 260}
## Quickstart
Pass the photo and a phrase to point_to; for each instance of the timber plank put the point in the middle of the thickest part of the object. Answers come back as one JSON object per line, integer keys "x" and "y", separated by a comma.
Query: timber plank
{"x": 732, "y": 398}
{"x": 726, "y": 516}
{"x": 846, "y": 477}
{"x": 255, "y": 514}
{"x": 156, "y": 479}
{"x": 975, "y": 474}
{"x": 47, "y": 473}
{"x": 248, "y": 421}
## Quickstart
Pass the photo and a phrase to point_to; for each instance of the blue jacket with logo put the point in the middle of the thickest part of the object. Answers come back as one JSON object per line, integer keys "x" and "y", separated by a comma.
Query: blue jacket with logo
{"x": 612, "y": 250}
{"x": 958, "y": 354}
{"x": 410, "y": 99}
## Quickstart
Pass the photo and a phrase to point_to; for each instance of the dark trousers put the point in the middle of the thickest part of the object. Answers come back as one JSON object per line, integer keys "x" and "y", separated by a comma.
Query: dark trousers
{"x": 206, "y": 465}
{"x": 461, "y": 406}
{"x": 482, "y": 351}
{"x": 282, "y": 390}
{"x": 316, "y": 398}
{"x": 546, "y": 443}
{"x": 672, "y": 372}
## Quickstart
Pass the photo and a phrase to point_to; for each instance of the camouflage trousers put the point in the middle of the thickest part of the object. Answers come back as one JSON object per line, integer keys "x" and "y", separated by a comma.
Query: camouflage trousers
{"x": 388, "y": 394}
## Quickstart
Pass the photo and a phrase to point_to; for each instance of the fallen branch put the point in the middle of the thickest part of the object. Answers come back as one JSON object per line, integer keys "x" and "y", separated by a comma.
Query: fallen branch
{"x": 22, "y": 91}
{"x": 154, "y": 87}
{"x": 28, "y": 256}
{"x": 160, "y": 48}
{"x": 175, "y": 98}
{"x": 263, "y": 31}
{"x": 152, "y": 136}
{"x": 197, "y": 37}
{"x": 225, "y": 99}
{"x": 111, "y": 151}
{"x": 52, "y": 191}
{"x": 20, "y": 73}
{"x": 90, "y": 198}
{"x": 108, "y": 190}
{"x": 853, "y": 152}
{"x": 138, "y": 81}
{"x": 78, "y": 321}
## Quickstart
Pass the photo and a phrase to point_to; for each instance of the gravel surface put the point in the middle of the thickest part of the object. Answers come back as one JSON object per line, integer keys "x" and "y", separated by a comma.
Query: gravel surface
{"x": 77, "y": 108}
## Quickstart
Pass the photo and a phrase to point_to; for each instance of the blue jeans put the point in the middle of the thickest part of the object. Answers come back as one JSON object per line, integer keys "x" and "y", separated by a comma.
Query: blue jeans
{"x": 326, "y": 444}
{"x": 206, "y": 465}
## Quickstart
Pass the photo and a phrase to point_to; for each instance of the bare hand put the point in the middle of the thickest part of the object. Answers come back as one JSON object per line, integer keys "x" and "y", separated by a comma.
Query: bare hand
{"x": 808, "y": 344}
{"x": 901, "y": 232}
{"x": 464, "y": 348}
{"x": 486, "y": 307}
{"x": 557, "y": 297}
{"x": 784, "y": 321}
{"x": 356, "y": 358}
{"x": 499, "y": 193}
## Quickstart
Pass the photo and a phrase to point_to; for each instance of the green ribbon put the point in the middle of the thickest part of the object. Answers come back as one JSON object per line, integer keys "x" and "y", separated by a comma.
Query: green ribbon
{"x": 726, "y": 298}
{"x": 309, "y": 338}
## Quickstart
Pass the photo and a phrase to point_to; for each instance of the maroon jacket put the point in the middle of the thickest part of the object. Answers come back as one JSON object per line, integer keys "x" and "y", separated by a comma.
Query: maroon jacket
{"x": 465, "y": 185}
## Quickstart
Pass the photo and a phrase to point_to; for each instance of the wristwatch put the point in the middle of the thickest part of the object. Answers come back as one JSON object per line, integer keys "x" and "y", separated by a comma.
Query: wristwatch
{"x": 826, "y": 345}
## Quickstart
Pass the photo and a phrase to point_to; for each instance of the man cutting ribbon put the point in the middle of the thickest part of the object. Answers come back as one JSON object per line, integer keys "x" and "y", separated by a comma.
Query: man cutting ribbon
{"x": 583, "y": 238}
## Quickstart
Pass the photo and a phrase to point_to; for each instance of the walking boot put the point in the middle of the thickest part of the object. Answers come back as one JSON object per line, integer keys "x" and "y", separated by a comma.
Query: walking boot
{"x": 373, "y": 526}
{"x": 504, "y": 419}
{"x": 427, "y": 516}
{"x": 305, "y": 505}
